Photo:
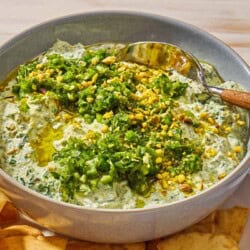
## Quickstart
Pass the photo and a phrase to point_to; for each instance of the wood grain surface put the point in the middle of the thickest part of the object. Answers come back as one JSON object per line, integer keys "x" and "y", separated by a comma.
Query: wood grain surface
{"x": 229, "y": 20}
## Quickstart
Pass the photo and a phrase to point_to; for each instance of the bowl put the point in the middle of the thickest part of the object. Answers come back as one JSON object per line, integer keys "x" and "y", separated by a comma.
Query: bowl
{"x": 131, "y": 225}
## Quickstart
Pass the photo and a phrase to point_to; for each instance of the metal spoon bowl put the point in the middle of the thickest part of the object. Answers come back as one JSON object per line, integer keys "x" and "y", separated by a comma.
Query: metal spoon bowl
{"x": 170, "y": 57}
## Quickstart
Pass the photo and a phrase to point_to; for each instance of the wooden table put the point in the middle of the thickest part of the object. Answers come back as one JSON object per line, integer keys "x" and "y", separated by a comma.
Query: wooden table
{"x": 229, "y": 20}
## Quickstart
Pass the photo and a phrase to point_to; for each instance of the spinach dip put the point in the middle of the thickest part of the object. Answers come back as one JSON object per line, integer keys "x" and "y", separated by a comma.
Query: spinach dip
{"x": 82, "y": 127}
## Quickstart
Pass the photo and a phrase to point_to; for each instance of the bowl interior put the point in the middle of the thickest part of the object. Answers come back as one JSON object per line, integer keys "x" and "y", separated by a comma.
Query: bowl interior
{"x": 123, "y": 27}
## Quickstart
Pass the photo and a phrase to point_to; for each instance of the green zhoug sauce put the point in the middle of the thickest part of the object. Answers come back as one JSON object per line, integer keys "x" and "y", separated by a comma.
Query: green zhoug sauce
{"x": 82, "y": 127}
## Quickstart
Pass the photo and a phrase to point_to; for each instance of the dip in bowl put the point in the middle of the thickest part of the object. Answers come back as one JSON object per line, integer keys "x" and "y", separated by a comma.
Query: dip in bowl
{"x": 158, "y": 156}
{"x": 82, "y": 127}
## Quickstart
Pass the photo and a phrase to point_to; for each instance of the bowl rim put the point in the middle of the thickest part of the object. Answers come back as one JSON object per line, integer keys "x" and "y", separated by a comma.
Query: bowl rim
{"x": 235, "y": 173}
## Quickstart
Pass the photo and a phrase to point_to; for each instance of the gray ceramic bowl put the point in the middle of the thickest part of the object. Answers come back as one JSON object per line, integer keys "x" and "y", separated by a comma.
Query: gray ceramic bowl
{"x": 105, "y": 225}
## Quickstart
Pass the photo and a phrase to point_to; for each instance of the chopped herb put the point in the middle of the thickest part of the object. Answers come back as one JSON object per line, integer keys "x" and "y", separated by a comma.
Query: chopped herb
{"x": 141, "y": 137}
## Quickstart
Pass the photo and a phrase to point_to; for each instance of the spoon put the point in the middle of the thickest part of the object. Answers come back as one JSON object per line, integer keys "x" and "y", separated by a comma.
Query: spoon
{"x": 167, "y": 56}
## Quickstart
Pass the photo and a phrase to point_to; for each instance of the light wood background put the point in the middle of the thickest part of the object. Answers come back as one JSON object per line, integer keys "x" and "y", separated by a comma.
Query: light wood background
{"x": 228, "y": 20}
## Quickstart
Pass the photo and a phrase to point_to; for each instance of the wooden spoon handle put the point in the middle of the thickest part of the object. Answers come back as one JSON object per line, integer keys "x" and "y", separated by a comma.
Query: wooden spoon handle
{"x": 241, "y": 99}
